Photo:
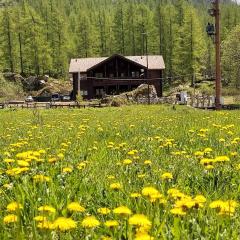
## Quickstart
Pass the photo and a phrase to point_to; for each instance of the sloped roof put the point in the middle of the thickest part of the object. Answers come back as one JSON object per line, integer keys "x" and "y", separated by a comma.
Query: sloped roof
{"x": 155, "y": 62}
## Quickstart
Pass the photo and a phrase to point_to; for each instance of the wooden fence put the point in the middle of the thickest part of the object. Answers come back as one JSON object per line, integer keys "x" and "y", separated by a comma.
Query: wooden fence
{"x": 201, "y": 101}
{"x": 49, "y": 105}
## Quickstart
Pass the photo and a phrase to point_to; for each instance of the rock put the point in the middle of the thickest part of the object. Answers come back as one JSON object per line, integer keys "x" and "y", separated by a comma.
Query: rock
{"x": 131, "y": 97}
{"x": 42, "y": 83}
{"x": 45, "y": 78}
{"x": 13, "y": 77}
{"x": 34, "y": 83}
{"x": 142, "y": 91}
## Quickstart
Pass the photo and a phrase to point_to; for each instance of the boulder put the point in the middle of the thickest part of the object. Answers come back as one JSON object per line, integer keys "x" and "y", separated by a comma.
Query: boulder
{"x": 132, "y": 96}
{"x": 13, "y": 77}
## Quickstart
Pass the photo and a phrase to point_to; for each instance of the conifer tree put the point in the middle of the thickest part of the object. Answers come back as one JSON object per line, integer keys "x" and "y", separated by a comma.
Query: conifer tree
{"x": 8, "y": 40}
{"x": 190, "y": 48}
{"x": 85, "y": 37}
{"x": 36, "y": 49}
{"x": 231, "y": 58}
{"x": 130, "y": 30}
{"x": 58, "y": 43}
{"x": 119, "y": 29}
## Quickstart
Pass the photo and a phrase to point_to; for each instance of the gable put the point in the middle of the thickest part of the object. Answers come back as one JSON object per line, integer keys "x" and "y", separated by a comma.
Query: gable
{"x": 155, "y": 62}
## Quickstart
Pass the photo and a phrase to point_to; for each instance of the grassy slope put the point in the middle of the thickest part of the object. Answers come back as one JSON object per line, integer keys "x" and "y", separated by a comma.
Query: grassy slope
{"x": 10, "y": 90}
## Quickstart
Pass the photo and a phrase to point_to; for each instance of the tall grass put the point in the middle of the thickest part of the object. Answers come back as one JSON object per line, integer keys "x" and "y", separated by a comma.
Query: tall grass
{"x": 81, "y": 153}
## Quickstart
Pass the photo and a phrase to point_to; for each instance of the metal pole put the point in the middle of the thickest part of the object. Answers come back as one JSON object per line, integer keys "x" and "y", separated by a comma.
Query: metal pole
{"x": 218, "y": 56}
{"x": 149, "y": 102}
{"x": 79, "y": 89}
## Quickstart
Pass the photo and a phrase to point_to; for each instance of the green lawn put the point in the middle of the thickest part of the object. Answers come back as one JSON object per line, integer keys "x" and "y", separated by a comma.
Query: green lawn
{"x": 178, "y": 168}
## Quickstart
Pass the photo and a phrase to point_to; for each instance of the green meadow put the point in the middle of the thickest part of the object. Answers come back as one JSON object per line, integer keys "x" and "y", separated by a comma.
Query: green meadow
{"x": 137, "y": 173}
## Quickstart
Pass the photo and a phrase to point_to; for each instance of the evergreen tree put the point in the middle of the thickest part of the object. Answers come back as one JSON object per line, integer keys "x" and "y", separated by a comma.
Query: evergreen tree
{"x": 36, "y": 50}
{"x": 119, "y": 29}
{"x": 57, "y": 35}
{"x": 130, "y": 30}
{"x": 8, "y": 40}
{"x": 190, "y": 48}
{"x": 231, "y": 58}
{"x": 85, "y": 37}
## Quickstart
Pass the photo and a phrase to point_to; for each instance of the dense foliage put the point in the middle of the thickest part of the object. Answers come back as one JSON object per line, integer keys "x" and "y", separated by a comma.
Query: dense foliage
{"x": 132, "y": 173}
{"x": 41, "y": 36}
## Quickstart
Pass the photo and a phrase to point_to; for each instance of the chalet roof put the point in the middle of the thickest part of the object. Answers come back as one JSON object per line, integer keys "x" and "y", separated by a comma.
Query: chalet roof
{"x": 155, "y": 62}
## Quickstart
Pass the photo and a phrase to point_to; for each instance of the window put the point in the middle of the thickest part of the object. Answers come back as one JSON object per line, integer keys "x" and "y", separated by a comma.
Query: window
{"x": 84, "y": 92}
{"x": 100, "y": 92}
{"x": 83, "y": 75}
{"x": 133, "y": 74}
{"x": 122, "y": 75}
{"x": 99, "y": 75}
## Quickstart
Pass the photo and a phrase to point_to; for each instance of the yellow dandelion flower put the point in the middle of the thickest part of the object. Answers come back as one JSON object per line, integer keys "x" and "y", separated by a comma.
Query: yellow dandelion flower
{"x": 199, "y": 154}
{"x": 47, "y": 208}
{"x": 222, "y": 159}
{"x": 14, "y": 206}
{"x": 166, "y": 176}
{"x": 111, "y": 223}
{"x": 178, "y": 211}
{"x": 224, "y": 207}
{"x": 139, "y": 220}
{"x": 45, "y": 225}
{"x": 42, "y": 151}
{"x": 234, "y": 154}
{"x": 41, "y": 178}
{"x": 64, "y": 224}
{"x": 155, "y": 197}
{"x": 200, "y": 199}
{"x": 17, "y": 171}
{"x": 148, "y": 162}
{"x": 116, "y": 186}
{"x": 143, "y": 236}
{"x": 104, "y": 211}
{"x": 209, "y": 167}
{"x": 81, "y": 165}
{"x": 23, "y": 163}
{"x": 75, "y": 207}
{"x": 148, "y": 191}
{"x": 185, "y": 203}
{"x": 60, "y": 155}
{"x": 127, "y": 162}
{"x": 52, "y": 160}
{"x": 90, "y": 222}
{"x": 135, "y": 195}
{"x": 206, "y": 161}
{"x": 216, "y": 204}
{"x": 122, "y": 210}
{"x": 11, "y": 218}
{"x": 208, "y": 150}
{"x": 7, "y": 160}
{"x": 67, "y": 170}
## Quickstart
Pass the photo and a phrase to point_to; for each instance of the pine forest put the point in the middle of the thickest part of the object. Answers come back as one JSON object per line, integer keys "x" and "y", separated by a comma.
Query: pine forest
{"x": 40, "y": 37}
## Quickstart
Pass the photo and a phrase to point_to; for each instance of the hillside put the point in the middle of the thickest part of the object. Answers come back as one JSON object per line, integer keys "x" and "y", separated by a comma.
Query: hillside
{"x": 16, "y": 87}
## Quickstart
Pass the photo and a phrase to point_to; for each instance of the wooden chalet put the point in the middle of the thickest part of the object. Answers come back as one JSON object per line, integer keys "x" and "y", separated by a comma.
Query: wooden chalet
{"x": 114, "y": 75}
